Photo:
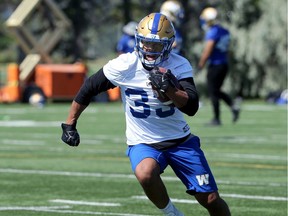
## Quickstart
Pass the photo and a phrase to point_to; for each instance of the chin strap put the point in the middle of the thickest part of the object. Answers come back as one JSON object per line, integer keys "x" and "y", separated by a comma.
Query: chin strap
{"x": 146, "y": 67}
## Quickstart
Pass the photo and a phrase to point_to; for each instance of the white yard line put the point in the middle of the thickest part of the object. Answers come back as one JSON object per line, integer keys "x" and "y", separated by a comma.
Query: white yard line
{"x": 22, "y": 142}
{"x": 29, "y": 123}
{"x": 248, "y": 156}
{"x": 172, "y": 199}
{"x": 126, "y": 176}
{"x": 75, "y": 202}
{"x": 240, "y": 196}
{"x": 65, "y": 173}
{"x": 57, "y": 209}
{"x": 264, "y": 107}
{"x": 32, "y": 208}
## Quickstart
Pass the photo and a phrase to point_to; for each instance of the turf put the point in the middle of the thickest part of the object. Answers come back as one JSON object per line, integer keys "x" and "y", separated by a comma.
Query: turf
{"x": 40, "y": 175}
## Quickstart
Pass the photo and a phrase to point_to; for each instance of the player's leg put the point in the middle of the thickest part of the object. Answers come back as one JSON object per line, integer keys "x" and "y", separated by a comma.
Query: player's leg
{"x": 214, "y": 91}
{"x": 235, "y": 108}
{"x": 147, "y": 164}
{"x": 215, "y": 205}
{"x": 190, "y": 165}
{"x": 148, "y": 174}
{"x": 222, "y": 71}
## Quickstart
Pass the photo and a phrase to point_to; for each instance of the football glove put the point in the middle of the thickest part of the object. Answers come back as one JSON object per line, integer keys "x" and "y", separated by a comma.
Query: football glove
{"x": 70, "y": 134}
{"x": 161, "y": 80}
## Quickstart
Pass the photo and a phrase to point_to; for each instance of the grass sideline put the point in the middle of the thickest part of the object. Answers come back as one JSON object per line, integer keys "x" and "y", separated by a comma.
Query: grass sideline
{"x": 39, "y": 175}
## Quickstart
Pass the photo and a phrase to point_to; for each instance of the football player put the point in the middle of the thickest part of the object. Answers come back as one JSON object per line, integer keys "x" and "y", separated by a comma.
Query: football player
{"x": 215, "y": 53}
{"x": 126, "y": 42}
{"x": 174, "y": 11}
{"x": 157, "y": 133}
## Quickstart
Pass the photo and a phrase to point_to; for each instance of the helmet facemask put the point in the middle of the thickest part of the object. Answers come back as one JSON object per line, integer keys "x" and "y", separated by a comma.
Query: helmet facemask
{"x": 146, "y": 57}
{"x": 154, "y": 38}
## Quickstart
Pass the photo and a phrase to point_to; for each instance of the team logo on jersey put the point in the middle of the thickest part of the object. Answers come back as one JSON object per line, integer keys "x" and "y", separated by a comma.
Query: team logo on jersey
{"x": 186, "y": 128}
{"x": 203, "y": 179}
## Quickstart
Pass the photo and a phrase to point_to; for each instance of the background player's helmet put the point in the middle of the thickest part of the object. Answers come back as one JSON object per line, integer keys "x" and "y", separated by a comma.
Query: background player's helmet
{"x": 155, "y": 28}
{"x": 129, "y": 28}
{"x": 173, "y": 10}
{"x": 208, "y": 17}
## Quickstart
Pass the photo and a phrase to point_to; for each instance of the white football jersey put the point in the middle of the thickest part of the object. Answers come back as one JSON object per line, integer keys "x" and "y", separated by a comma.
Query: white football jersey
{"x": 147, "y": 119}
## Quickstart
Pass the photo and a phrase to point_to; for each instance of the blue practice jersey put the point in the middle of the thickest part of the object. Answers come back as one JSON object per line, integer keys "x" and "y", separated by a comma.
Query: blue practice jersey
{"x": 178, "y": 41}
{"x": 147, "y": 119}
{"x": 221, "y": 36}
{"x": 126, "y": 44}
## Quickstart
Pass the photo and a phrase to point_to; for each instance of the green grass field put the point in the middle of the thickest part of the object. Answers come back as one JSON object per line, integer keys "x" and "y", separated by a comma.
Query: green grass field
{"x": 40, "y": 175}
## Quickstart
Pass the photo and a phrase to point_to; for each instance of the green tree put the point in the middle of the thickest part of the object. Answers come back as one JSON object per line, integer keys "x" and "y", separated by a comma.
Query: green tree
{"x": 259, "y": 30}
{"x": 258, "y": 46}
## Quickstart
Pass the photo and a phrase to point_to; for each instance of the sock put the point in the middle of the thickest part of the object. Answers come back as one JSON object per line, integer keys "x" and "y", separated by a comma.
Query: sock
{"x": 170, "y": 208}
{"x": 237, "y": 103}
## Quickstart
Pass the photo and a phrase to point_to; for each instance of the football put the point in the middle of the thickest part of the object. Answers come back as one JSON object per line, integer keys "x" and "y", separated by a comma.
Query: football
{"x": 161, "y": 96}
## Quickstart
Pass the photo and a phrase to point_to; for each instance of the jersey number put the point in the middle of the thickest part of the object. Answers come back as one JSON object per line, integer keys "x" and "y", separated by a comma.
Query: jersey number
{"x": 146, "y": 108}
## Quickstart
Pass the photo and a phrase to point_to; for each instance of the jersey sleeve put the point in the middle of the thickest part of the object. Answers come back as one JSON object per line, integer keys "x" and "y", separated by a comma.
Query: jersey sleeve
{"x": 92, "y": 86}
{"x": 116, "y": 70}
{"x": 185, "y": 71}
{"x": 212, "y": 34}
{"x": 180, "y": 67}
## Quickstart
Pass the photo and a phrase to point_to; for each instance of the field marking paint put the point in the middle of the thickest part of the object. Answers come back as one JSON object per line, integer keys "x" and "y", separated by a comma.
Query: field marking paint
{"x": 22, "y": 142}
{"x": 32, "y": 208}
{"x": 29, "y": 123}
{"x": 240, "y": 196}
{"x": 251, "y": 183}
{"x": 255, "y": 197}
{"x": 172, "y": 199}
{"x": 262, "y": 107}
{"x": 58, "y": 209}
{"x": 74, "y": 202}
{"x": 64, "y": 173}
{"x": 255, "y": 157}
{"x": 129, "y": 176}
{"x": 251, "y": 165}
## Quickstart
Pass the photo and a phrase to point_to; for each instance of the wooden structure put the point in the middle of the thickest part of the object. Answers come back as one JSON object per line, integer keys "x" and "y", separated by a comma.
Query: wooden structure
{"x": 37, "y": 50}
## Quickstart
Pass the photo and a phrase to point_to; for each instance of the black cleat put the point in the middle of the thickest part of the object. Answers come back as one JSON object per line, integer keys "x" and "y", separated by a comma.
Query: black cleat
{"x": 235, "y": 115}
{"x": 213, "y": 123}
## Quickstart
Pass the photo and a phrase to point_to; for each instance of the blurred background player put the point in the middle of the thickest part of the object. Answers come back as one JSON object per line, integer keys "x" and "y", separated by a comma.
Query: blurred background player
{"x": 126, "y": 42}
{"x": 175, "y": 13}
{"x": 215, "y": 54}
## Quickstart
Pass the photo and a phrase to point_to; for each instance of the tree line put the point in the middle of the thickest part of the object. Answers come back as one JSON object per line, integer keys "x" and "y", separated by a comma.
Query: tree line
{"x": 258, "y": 36}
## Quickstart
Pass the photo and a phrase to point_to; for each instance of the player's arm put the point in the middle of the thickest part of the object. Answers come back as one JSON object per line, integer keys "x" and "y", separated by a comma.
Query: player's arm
{"x": 182, "y": 92}
{"x": 186, "y": 98}
{"x": 94, "y": 85}
{"x": 208, "y": 48}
